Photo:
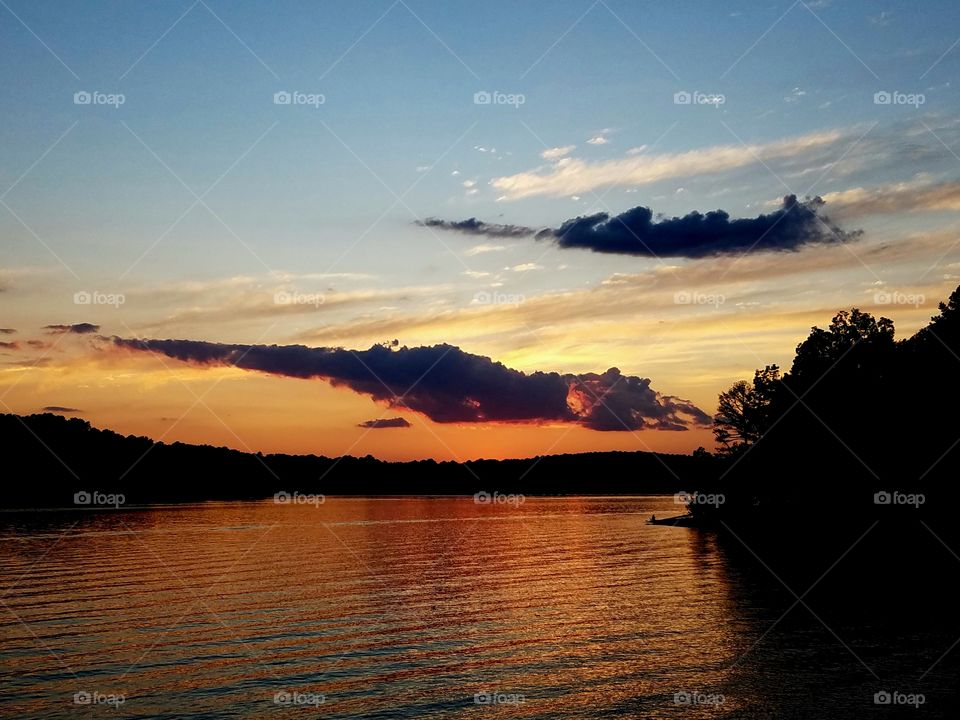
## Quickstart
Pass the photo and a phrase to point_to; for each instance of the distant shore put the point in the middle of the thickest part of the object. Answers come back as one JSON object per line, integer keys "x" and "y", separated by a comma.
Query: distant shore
{"x": 75, "y": 457}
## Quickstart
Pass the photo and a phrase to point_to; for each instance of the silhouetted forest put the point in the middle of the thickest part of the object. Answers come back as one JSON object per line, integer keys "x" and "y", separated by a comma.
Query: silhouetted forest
{"x": 841, "y": 473}
{"x": 858, "y": 414}
{"x": 60, "y": 457}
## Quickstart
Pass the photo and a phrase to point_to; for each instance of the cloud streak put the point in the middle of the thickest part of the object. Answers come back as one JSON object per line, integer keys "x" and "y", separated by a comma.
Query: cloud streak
{"x": 472, "y": 226}
{"x": 449, "y": 385}
{"x": 384, "y": 423}
{"x": 76, "y": 329}
{"x": 695, "y": 235}
{"x": 573, "y": 176}
{"x": 914, "y": 196}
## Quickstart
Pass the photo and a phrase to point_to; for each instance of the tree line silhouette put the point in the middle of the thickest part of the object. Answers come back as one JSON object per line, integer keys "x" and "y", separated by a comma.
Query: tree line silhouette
{"x": 59, "y": 457}
{"x": 859, "y": 416}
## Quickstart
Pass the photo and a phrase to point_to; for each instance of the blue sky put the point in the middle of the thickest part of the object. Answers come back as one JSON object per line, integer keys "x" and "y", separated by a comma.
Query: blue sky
{"x": 401, "y": 95}
{"x": 323, "y": 198}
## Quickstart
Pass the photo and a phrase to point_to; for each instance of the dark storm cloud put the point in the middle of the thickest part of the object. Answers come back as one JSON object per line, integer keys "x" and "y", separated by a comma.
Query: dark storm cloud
{"x": 397, "y": 422}
{"x": 637, "y": 232}
{"x": 78, "y": 329}
{"x": 451, "y": 386}
{"x": 472, "y": 226}
{"x": 60, "y": 409}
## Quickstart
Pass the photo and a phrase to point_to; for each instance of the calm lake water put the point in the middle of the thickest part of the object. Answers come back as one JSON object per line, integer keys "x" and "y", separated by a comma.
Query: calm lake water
{"x": 406, "y": 608}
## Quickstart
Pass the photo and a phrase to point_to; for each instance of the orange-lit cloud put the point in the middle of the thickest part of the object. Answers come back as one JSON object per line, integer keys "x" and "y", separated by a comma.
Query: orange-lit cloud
{"x": 450, "y": 386}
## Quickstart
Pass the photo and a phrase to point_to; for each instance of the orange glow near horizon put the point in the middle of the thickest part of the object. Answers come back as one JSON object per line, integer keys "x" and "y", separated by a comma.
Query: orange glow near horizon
{"x": 692, "y": 356}
{"x": 170, "y": 401}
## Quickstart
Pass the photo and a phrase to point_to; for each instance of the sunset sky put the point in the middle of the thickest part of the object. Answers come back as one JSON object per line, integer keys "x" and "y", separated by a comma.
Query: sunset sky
{"x": 300, "y": 173}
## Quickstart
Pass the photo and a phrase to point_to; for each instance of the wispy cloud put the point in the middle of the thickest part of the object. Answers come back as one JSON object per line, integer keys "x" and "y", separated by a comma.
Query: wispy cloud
{"x": 472, "y": 226}
{"x": 918, "y": 195}
{"x": 572, "y": 176}
{"x": 251, "y": 299}
{"x": 557, "y": 152}
{"x": 483, "y": 249}
{"x": 628, "y": 307}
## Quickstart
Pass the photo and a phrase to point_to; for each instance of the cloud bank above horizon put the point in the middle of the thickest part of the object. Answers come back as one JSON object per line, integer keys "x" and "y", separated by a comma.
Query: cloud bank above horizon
{"x": 449, "y": 385}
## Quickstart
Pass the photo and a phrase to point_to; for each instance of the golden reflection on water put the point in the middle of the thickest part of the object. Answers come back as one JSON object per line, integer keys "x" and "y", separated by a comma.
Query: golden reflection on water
{"x": 378, "y": 607}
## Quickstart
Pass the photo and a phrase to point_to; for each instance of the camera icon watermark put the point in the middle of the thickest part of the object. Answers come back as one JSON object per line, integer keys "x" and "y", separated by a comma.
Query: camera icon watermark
{"x": 899, "y": 498}
{"x": 484, "y": 97}
{"x": 295, "y": 698}
{"x": 86, "y": 697}
{"x": 488, "y": 697}
{"x": 99, "y": 499}
{"x": 711, "y": 499}
{"x": 899, "y": 698}
{"x": 693, "y": 297}
{"x": 84, "y": 297}
{"x": 497, "y": 298}
{"x": 895, "y": 297}
{"x": 884, "y": 97}
{"x": 498, "y": 498}
{"x": 684, "y": 97}
{"x": 295, "y": 97}
{"x": 296, "y": 498}
{"x": 690, "y": 698}
{"x": 95, "y": 97}
{"x": 283, "y": 297}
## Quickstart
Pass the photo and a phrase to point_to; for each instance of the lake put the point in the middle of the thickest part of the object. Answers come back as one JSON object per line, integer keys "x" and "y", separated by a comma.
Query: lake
{"x": 412, "y": 608}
